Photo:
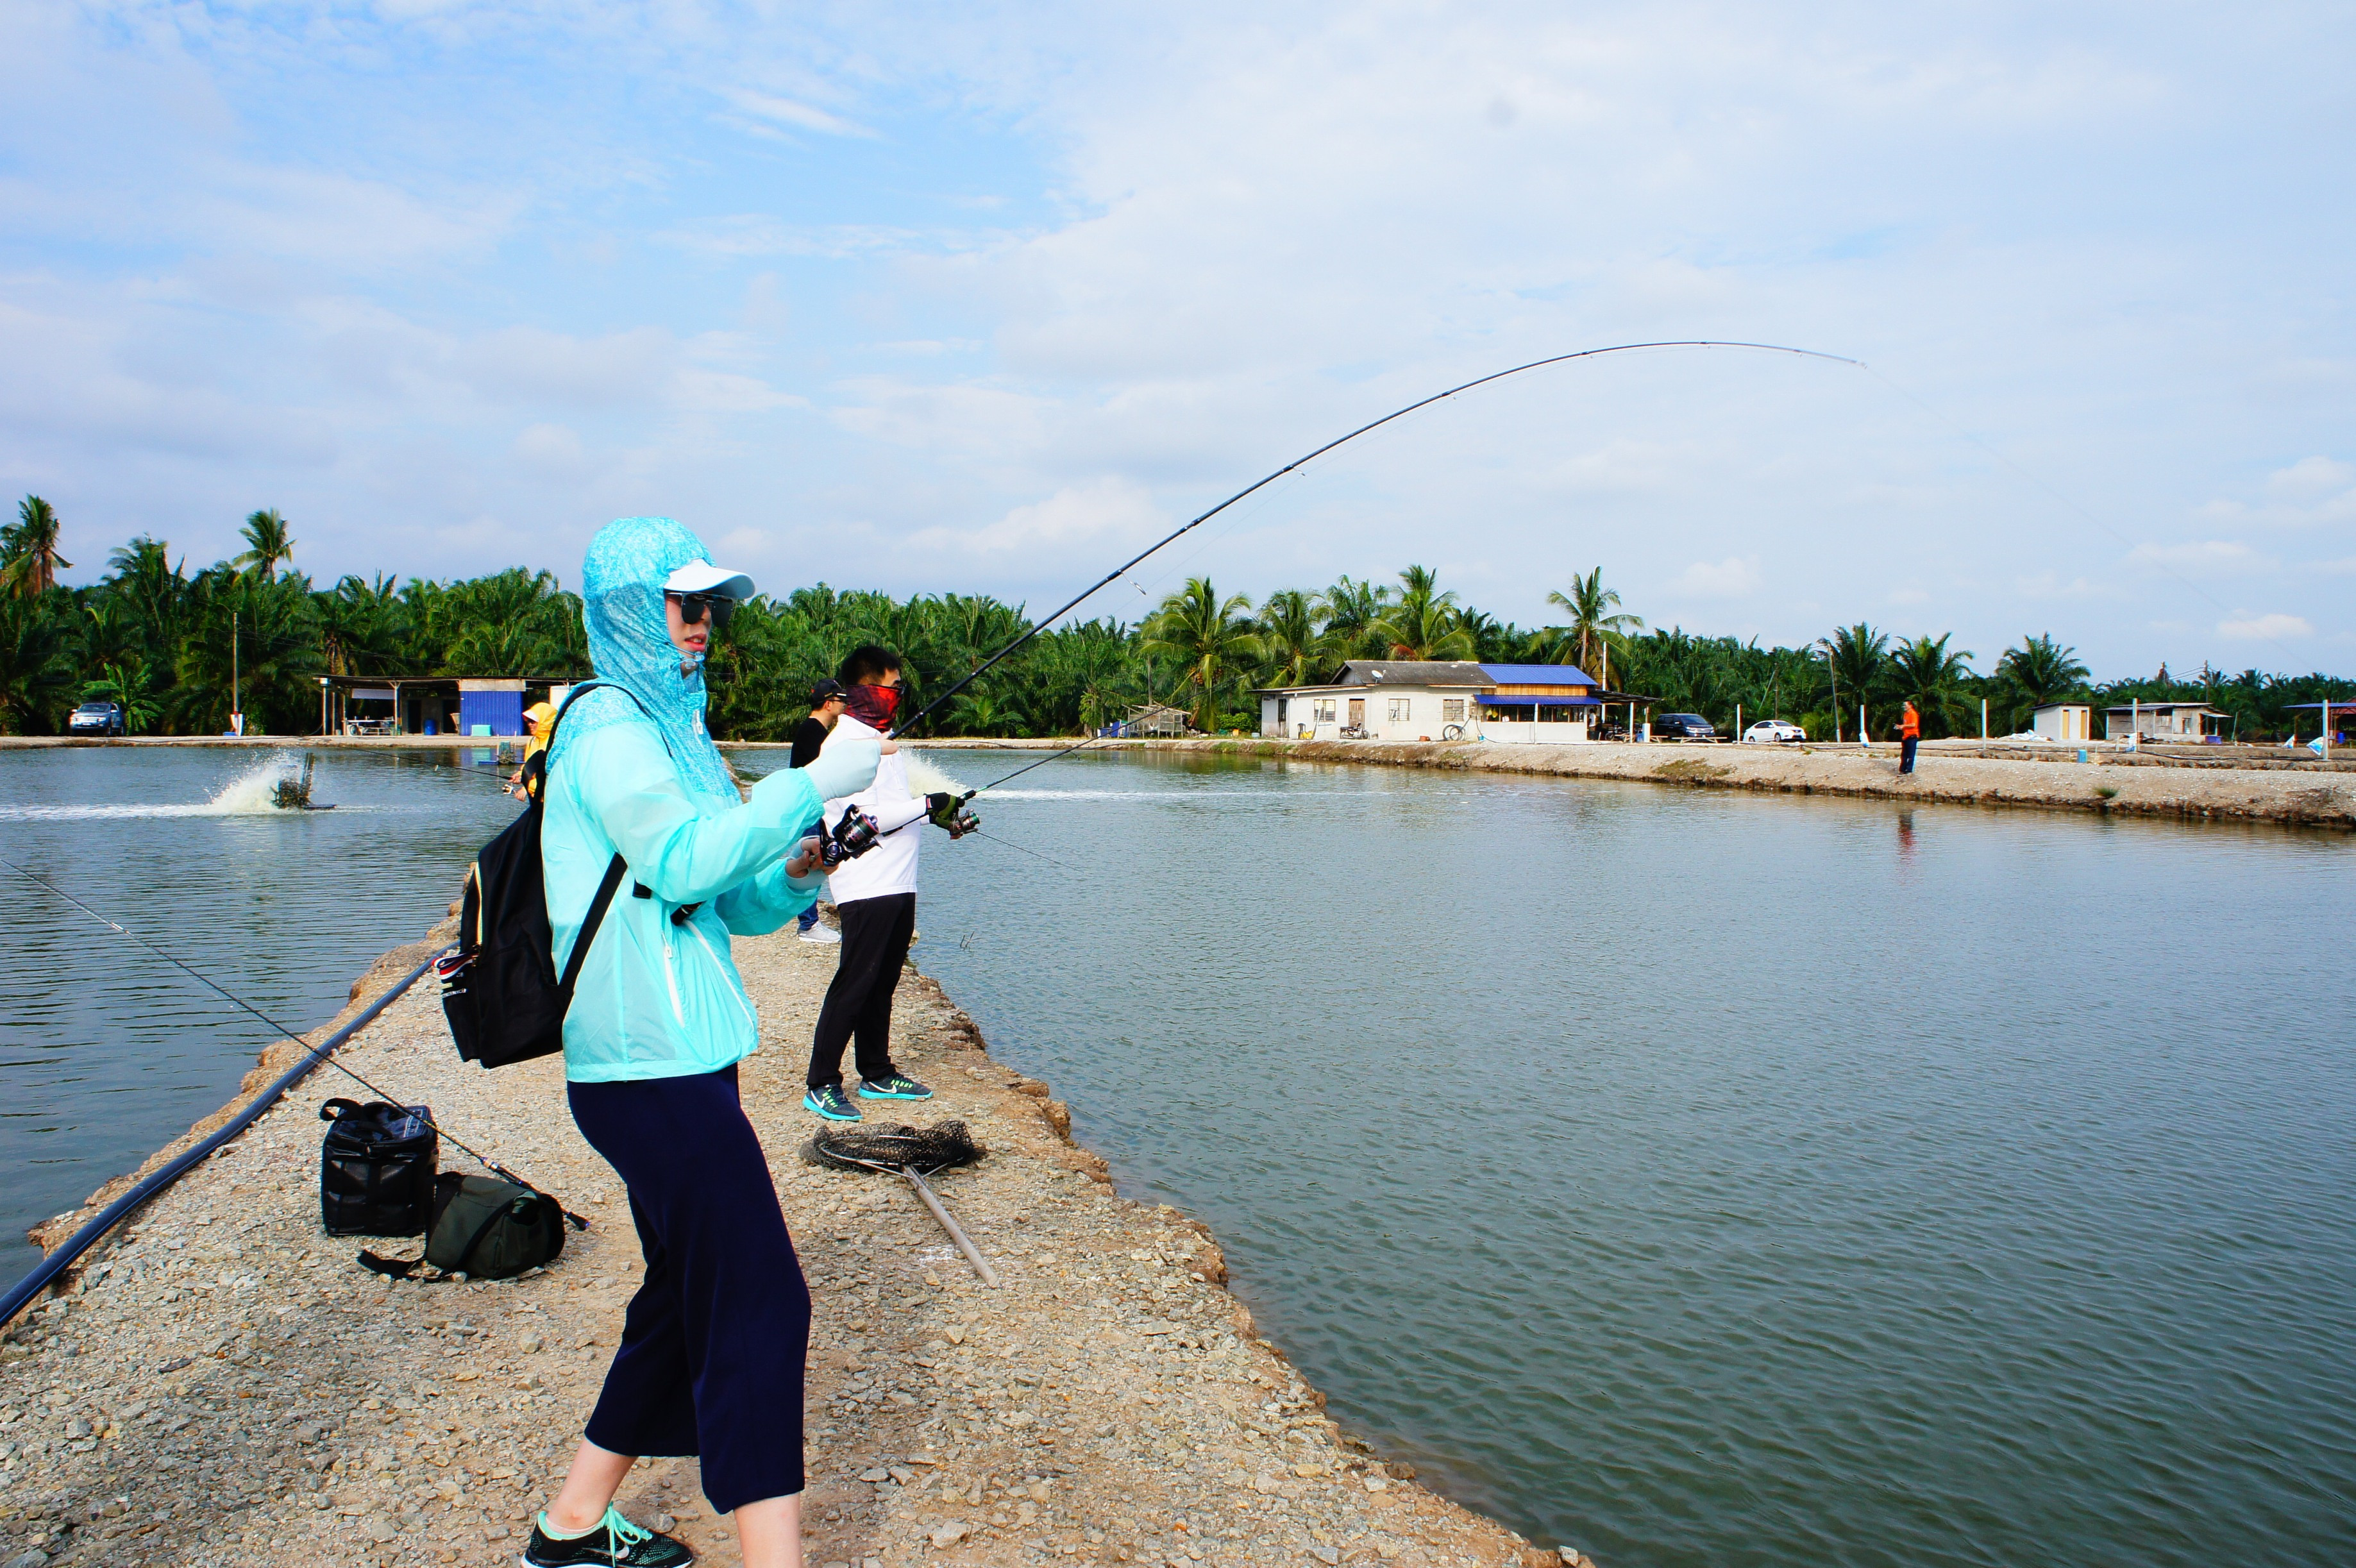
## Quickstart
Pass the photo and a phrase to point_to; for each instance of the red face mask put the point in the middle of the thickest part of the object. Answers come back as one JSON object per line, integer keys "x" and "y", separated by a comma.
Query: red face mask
{"x": 872, "y": 705}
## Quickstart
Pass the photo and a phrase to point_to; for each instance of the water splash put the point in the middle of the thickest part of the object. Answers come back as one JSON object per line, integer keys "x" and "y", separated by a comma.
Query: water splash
{"x": 926, "y": 776}
{"x": 256, "y": 792}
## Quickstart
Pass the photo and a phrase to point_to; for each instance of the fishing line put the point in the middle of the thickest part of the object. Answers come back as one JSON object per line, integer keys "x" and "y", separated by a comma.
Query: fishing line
{"x": 2025, "y": 475}
{"x": 1010, "y": 843}
{"x": 1187, "y": 526}
{"x": 294, "y": 1034}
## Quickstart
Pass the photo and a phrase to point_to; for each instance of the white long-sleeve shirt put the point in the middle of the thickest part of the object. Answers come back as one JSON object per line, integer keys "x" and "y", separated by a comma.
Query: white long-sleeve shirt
{"x": 891, "y": 866}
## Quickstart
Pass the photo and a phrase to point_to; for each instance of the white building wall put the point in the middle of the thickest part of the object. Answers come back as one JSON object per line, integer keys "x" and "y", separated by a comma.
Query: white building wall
{"x": 2068, "y": 722}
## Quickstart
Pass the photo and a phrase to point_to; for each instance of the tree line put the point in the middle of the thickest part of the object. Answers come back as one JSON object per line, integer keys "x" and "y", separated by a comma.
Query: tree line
{"x": 170, "y": 645}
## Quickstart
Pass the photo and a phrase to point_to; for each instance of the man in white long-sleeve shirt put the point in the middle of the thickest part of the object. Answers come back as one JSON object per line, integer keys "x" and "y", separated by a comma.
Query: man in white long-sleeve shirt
{"x": 876, "y": 897}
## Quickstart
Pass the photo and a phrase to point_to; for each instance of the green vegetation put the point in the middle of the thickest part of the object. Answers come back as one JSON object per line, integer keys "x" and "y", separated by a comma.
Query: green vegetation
{"x": 159, "y": 640}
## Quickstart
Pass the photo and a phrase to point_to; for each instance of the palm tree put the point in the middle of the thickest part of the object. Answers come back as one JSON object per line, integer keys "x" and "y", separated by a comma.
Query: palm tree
{"x": 34, "y": 671}
{"x": 1210, "y": 635}
{"x": 129, "y": 684}
{"x": 28, "y": 551}
{"x": 1859, "y": 660}
{"x": 266, "y": 532}
{"x": 364, "y": 627}
{"x": 1349, "y": 609}
{"x": 2042, "y": 670}
{"x": 1929, "y": 677}
{"x": 1595, "y": 617}
{"x": 1422, "y": 624}
{"x": 1295, "y": 643}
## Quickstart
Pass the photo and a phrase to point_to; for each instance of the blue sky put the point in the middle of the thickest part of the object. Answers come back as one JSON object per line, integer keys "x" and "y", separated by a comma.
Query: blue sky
{"x": 972, "y": 299}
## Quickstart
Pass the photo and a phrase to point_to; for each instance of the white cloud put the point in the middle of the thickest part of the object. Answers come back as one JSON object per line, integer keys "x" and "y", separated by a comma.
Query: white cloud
{"x": 2311, "y": 478}
{"x": 1100, "y": 514}
{"x": 1735, "y": 577}
{"x": 791, "y": 112}
{"x": 2270, "y": 627}
{"x": 2221, "y": 557}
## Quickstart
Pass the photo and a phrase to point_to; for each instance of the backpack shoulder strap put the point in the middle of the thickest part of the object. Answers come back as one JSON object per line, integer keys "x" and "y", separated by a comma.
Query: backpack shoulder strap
{"x": 615, "y": 868}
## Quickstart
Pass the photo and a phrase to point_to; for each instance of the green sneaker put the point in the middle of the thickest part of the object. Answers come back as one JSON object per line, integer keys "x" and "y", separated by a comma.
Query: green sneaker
{"x": 832, "y": 1103}
{"x": 613, "y": 1542}
{"x": 893, "y": 1086}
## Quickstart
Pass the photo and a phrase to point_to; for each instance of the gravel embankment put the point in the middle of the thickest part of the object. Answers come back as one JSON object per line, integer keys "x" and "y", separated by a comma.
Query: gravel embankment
{"x": 222, "y": 1384}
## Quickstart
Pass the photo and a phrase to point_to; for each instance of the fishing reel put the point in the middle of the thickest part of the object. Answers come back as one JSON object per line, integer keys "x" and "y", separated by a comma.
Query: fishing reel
{"x": 849, "y": 839}
{"x": 947, "y": 812}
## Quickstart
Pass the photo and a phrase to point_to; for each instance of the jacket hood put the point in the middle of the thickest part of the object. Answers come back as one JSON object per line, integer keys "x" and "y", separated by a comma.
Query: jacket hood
{"x": 630, "y": 647}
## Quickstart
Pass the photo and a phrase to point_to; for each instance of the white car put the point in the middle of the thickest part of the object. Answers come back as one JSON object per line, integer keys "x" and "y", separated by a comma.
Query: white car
{"x": 1767, "y": 732}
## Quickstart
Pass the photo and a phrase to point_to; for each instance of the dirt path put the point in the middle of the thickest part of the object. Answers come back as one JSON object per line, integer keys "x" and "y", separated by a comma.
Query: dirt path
{"x": 221, "y": 1384}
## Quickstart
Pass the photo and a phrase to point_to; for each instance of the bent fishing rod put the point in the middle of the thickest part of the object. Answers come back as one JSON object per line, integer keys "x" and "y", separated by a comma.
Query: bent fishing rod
{"x": 316, "y": 1053}
{"x": 1188, "y": 527}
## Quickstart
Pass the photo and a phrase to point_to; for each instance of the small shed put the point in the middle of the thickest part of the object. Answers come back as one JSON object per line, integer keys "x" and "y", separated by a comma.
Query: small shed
{"x": 2063, "y": 721}
{"x": 2179, "y": 722}
{"x": 1158, "y": 719}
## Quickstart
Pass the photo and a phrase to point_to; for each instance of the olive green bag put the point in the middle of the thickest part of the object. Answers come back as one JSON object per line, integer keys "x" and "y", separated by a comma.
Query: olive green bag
{"x": 485, "y": 1229}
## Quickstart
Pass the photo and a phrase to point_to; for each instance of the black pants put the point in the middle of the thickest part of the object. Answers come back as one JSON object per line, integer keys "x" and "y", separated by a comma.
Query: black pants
{"x": 714, "y": 1342}
{"x": 875, "y": 937}
{"x": 1906, "y": 755}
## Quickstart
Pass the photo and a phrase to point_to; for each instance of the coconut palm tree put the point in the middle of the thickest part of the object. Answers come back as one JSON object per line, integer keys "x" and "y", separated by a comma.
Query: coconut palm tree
{"x": 1595, "y": 615}
{"x": 1422, "y": 624}
{"x": 270, "y": 542}
{"x": 1924, "y": 673}
{"x": 1349, "y": 609}
{"x": 1210, "y": 635}
{"x": 1295, "y": 643}
{"x": 28, "y": 551}
{"x": 2042, "y": 670}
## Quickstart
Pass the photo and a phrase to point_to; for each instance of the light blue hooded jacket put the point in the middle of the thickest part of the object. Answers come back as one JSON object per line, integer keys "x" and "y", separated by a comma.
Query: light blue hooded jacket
{"x": 656, "y": 998}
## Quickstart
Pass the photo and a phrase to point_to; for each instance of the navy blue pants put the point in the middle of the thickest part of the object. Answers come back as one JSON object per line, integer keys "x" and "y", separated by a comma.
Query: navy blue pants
{"x": 715, "y": 1343}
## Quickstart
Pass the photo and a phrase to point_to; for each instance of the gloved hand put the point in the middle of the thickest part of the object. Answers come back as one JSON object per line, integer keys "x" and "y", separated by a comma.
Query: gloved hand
{"x": 947, "y": 812}
{"x": 846, "y": 767}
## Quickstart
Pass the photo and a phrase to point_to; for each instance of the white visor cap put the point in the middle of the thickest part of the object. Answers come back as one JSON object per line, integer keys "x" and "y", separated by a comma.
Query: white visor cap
{"x": 703, "y": 578}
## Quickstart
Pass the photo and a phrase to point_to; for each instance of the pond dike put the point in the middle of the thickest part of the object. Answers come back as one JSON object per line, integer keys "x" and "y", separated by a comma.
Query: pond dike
{"x": 221, "y": 1383}
{"x": 2254, "y": 786}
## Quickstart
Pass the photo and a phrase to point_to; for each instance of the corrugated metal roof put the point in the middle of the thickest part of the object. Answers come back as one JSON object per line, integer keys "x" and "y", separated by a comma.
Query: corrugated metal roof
{"x": 1411, "y": 672}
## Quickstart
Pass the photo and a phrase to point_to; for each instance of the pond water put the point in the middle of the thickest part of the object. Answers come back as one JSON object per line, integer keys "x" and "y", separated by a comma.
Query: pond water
{"x": 107, "y": 1053}
{"x": 1696, "y": 1178}
{"x": 1705, "y": 1178}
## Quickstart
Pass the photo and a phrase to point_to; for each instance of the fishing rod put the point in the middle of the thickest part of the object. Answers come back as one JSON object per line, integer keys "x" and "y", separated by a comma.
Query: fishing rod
{"x": 318, "y": 1053}
{"x": 1188, "y": 527}
{"x": 1029, "y": 765}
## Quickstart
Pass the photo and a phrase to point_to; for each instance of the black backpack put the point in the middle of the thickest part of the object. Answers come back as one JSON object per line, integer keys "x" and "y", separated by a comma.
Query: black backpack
{"x": 377, "y": 1166}
{"x": 501, "y": 989}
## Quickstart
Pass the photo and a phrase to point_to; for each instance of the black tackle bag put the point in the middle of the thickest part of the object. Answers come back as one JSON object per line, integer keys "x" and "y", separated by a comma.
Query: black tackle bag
{"x": 484, "y": 1228}
{"x": 377, "y": 1166}
{"x": 500, "y": 990}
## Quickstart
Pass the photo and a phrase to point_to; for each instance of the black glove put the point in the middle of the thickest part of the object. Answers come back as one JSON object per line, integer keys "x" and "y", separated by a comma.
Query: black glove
{"x": 947, "y": 812}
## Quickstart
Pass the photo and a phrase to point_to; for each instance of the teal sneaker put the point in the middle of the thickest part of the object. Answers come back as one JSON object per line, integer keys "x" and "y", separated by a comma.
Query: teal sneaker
{"x": 896, "y": 1086}
{"x": 613, "y": 1542}
{"x": 832, "y": 1103}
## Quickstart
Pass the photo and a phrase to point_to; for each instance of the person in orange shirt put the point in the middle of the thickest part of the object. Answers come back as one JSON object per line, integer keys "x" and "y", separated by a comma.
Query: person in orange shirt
{"x": 1910, "y": 730}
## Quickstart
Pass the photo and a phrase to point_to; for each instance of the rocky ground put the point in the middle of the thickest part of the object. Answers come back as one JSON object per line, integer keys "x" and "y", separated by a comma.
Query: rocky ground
{"x": 221, "y": 1383}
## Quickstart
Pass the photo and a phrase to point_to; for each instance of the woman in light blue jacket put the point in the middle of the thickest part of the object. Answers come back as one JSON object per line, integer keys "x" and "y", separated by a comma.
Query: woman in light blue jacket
{"x": 713, "y": 1347}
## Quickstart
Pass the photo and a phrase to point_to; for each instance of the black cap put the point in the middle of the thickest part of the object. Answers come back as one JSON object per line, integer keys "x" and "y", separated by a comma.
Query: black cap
{"x": 824, "y": 691}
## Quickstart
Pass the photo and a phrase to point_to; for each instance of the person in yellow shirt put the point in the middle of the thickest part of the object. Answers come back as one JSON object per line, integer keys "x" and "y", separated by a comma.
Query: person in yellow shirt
{"x": 540, "y": 715}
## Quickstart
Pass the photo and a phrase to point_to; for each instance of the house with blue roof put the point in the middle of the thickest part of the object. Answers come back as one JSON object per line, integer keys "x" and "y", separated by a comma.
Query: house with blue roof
{"x": 1389, "y": 699}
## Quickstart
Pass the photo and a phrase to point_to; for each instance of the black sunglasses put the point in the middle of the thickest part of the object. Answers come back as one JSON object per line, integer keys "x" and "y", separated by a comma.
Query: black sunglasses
{"x": 693, "y": 607}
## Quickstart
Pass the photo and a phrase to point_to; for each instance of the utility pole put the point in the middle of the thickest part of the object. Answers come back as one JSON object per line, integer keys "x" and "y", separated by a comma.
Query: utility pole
{"x": 236, "y": 714}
